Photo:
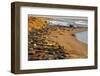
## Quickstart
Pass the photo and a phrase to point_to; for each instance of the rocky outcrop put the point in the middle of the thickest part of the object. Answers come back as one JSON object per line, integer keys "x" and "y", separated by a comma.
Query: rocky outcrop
{"x": 36, "y": 23}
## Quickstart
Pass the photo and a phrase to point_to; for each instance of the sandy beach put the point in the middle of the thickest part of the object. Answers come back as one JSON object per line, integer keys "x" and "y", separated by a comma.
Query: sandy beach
{"x": 66, "y": 38}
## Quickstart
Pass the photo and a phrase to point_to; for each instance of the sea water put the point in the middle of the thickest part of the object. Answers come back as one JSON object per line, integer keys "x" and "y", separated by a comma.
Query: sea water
{"x": 82, "y": 36}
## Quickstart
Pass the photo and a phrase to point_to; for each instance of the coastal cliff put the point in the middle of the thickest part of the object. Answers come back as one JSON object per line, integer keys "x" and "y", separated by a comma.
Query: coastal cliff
{"x": 54, "y": 42}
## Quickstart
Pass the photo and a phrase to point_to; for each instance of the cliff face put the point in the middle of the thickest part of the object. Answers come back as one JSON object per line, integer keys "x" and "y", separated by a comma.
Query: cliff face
{"x": 36, "y": 23}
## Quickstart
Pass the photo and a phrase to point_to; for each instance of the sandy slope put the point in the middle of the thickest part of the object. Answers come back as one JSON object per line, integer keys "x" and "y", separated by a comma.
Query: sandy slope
{"x": 65, "y": 38}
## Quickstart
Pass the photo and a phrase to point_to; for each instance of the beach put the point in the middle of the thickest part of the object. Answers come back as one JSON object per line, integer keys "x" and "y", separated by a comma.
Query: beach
{"x": 72, "y": 45}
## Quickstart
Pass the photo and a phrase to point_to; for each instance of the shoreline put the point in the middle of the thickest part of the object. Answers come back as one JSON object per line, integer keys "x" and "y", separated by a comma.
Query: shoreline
{"x": 72, "y": 45}
{"x": 81, "y": 38}
{"x": 48, "y": 42}
{"x": 62, "y": 39}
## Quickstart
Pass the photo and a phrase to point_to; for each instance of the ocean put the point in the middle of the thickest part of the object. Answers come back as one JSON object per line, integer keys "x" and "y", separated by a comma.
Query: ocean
{"x": 82, "y": 36}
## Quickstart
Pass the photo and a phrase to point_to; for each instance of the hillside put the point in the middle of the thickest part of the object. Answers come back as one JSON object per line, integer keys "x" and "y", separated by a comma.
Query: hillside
{"x": 55, "y": 42}
{"x": 36, "y": 23}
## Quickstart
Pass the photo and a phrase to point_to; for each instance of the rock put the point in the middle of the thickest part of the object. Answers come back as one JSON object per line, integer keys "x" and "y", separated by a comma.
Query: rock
{"x": 36, "y": 23}
{"x": 42, "y": 48}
